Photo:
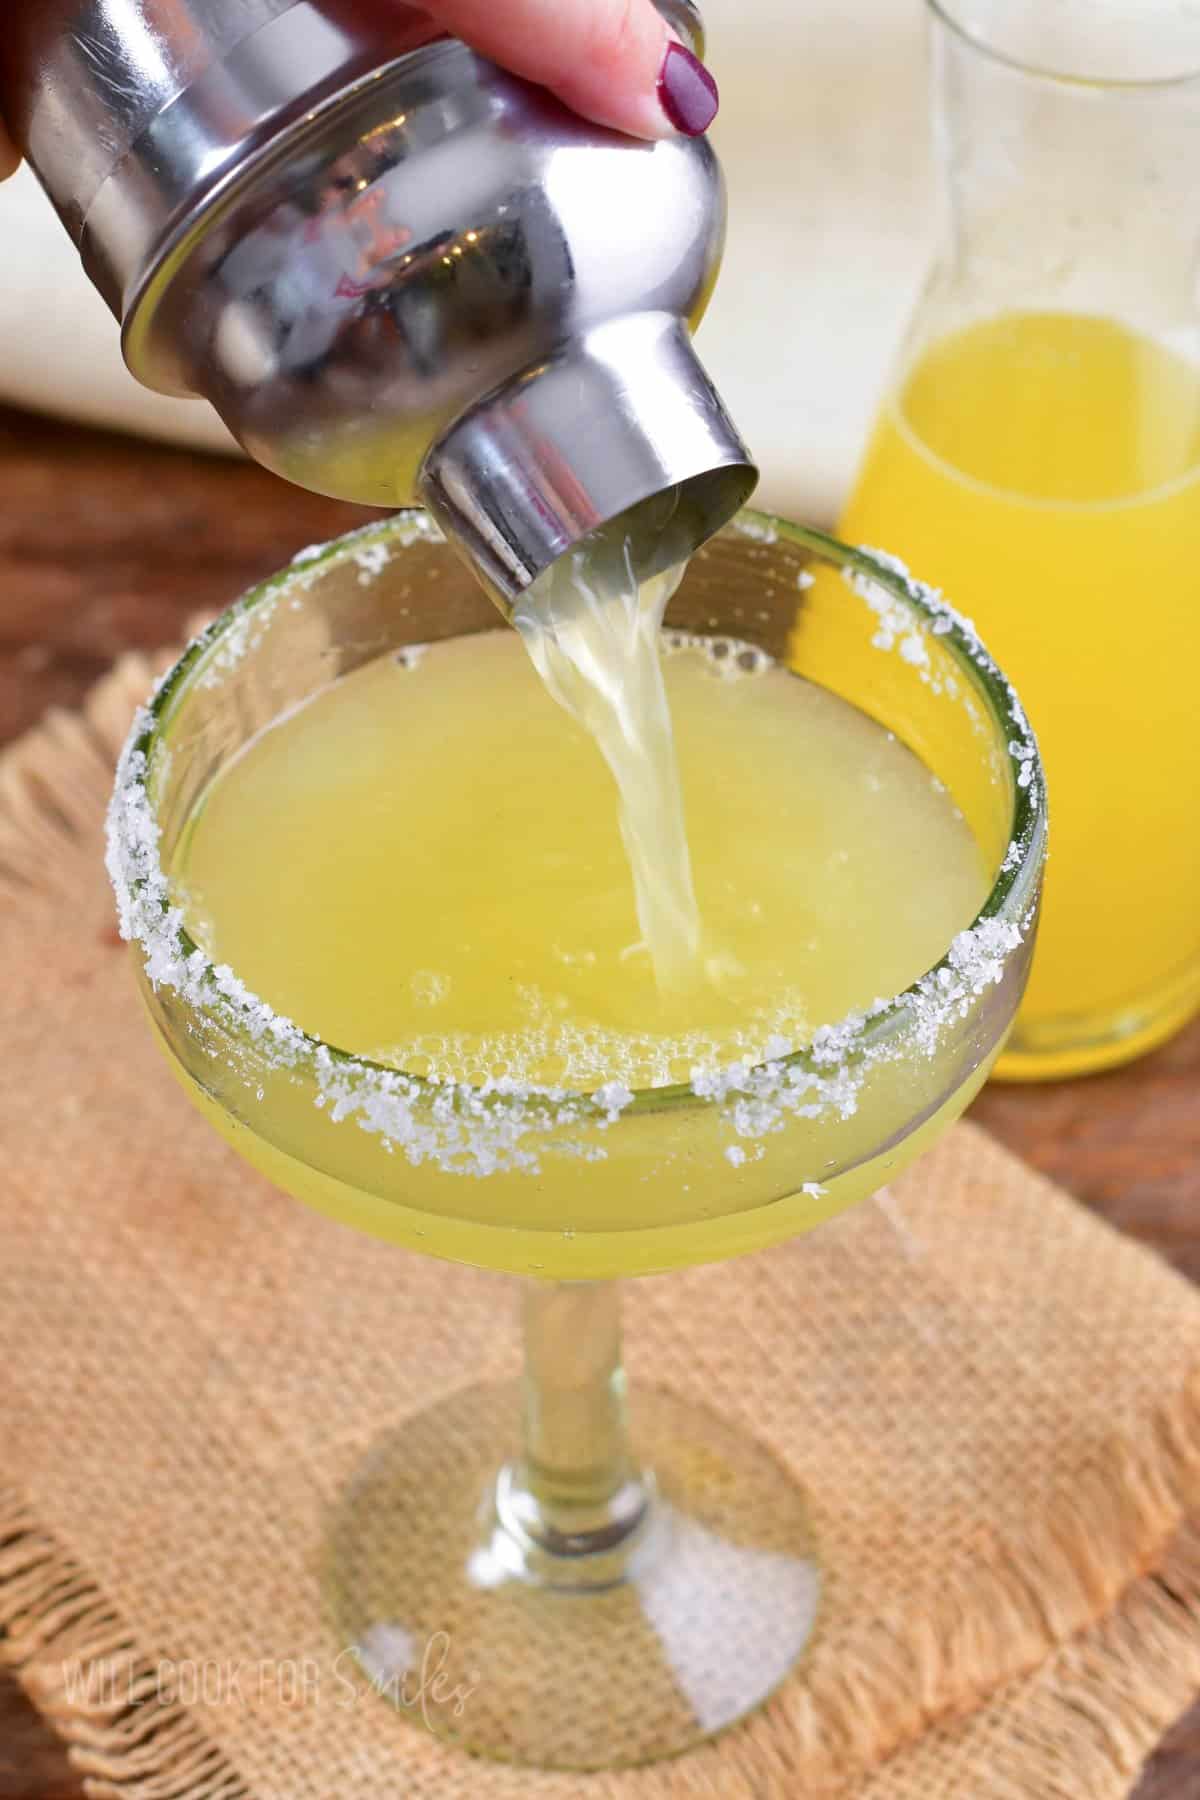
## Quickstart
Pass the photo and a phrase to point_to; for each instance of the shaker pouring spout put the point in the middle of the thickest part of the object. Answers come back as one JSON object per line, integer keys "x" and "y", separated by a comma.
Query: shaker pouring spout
{"x": 619, "y": 423}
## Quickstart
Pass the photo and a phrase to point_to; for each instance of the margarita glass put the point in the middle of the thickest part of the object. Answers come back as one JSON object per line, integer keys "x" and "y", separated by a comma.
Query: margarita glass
{"x": 630, "y": 1579}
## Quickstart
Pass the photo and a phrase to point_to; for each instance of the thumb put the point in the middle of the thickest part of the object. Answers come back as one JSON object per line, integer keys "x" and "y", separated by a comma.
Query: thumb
{"x": 614, "y": 61}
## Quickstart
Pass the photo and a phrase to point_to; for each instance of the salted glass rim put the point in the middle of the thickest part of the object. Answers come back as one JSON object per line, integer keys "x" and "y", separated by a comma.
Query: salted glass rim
{"x": 948, "y": 13}
{"x": 976, "y": 959}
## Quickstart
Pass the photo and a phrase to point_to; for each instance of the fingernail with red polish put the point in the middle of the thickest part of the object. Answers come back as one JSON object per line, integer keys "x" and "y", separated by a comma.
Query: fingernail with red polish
{"x": 687, "y": 92}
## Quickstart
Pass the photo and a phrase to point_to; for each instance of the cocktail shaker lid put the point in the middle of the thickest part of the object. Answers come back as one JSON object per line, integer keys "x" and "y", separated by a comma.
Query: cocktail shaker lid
{"x": 397, "y": 271}
{"x": 134, "y": 113}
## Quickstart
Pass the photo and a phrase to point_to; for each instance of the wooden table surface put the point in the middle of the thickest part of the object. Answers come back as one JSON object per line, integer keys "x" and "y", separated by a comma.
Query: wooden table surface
{"x": 108, "y": 544}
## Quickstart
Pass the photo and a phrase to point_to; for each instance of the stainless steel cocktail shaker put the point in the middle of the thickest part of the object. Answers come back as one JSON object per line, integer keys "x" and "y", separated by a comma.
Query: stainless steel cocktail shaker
{"x": 396, "y": 271}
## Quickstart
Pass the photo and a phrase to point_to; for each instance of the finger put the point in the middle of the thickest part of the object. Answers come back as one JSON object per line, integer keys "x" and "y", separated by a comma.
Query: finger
{"x": 614, "y": 61}
{"x": 8, "y": 154}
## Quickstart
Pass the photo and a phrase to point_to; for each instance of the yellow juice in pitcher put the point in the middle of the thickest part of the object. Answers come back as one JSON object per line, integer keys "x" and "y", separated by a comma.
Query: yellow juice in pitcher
{"x": 1044, "y": 469}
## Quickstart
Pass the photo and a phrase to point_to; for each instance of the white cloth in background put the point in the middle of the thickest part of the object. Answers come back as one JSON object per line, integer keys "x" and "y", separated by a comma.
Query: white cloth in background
{"x": 824, "y": 139}
{"x": 60, "y": 347}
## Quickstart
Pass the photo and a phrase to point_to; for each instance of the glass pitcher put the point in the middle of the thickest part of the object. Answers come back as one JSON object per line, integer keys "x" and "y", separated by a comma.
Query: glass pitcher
{"x": 1039, "y": 456}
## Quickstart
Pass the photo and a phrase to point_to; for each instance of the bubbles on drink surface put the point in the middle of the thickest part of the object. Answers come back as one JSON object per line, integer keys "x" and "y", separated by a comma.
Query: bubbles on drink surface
{"x": 555, "y": 1050}
{"x": 730, "y": 658}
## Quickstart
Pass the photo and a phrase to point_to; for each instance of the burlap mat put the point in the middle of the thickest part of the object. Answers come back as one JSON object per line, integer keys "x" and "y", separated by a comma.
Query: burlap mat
{"x": 994, "y": 1401}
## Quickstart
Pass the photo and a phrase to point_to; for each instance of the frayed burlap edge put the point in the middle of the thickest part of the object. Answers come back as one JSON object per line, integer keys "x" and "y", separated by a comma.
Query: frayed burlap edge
{"x": 1111, "y": 1681}
{"x": 55, "y": 1625}
{"x": 55, "y": 781}
{"x": 900, "y": 1678}
{"x": 1085, "y": 1723}
{"x": 906, "y": 1674}
{"x": 69, "y": 1650}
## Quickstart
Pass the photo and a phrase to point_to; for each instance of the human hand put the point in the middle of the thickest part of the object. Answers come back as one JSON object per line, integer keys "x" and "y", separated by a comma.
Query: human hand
{"x": 614, "y": 61}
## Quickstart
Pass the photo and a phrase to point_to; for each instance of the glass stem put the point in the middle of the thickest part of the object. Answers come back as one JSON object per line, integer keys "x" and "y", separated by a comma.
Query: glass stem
{"x": 575, "y": 1492}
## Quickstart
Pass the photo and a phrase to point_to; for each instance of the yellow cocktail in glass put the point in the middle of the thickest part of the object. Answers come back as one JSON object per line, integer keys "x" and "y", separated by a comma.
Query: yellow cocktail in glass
{"x": 389, "y": 944}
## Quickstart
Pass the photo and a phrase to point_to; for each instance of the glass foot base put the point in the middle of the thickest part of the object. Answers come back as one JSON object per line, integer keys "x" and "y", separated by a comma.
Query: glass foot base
{"x": 532, "y": 1659}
